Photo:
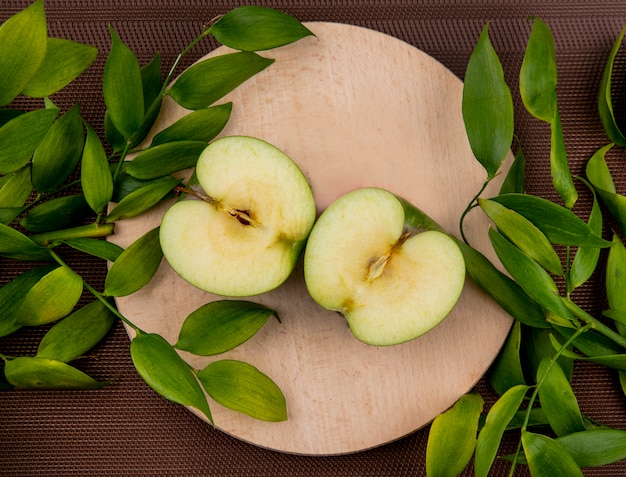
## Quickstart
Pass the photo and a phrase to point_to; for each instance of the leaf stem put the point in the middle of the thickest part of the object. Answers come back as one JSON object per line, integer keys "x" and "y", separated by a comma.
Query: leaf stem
{"x": 90, "y": 230}
{"x": 99, "y": 296}
{"x": 595, "y": 323}
{"x": 473, "y": 203}
{"x": 120, "y": 164}
{"x": 113, "y": 310}
{"x": 188, "y": 48}
{"x": 540, "y": 382}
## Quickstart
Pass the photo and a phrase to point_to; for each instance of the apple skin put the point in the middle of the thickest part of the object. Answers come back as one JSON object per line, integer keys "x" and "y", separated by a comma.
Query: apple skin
{"x": 245, "y": 234}
{"x": 387, "y": 267}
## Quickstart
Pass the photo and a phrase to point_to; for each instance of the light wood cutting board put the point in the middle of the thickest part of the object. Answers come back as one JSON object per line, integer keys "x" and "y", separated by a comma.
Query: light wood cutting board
{"x": 353, "y": 108}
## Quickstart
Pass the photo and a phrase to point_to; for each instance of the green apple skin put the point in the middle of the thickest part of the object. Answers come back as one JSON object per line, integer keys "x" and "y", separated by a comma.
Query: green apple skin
{"x": 247, "y": 234}
{"x": 387, "y": 267}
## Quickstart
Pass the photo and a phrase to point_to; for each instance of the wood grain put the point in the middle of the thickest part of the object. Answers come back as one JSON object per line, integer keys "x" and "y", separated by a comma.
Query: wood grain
{"x": 353, "y": 108}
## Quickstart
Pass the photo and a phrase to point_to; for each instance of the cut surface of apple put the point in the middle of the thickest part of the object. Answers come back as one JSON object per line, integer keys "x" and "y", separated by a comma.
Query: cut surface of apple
{"x": 384, "y": 265}
{"x": 245, "y": 232}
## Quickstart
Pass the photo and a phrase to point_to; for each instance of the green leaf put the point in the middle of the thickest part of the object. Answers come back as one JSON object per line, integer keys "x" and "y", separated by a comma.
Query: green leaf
{"x": 615, "y": 361}
{"x": 20, "y": 137}
{"x": 59, "y": 152}
{"x": 98, "y": 248}
{"x": 23, "y": 42}
{"x": 14, "y": 244}
{"x": 507, "y": 370}
{"x": 605, "y": 102}
{"x": 6, "y": 114}
{"x": 561, "y": 175}
{"x": 586, "y": 258}
{"x": 166, "y": 372}
{"x": 538, "y": 78}
{"x": 53, "y": 297}
{"x": 508, "y": 294}
{"x": 498, "y": 419}
{"x": 92, "y": 230}
{"x": 243, "y": 388}
{"x": 617, "y": 315}
{"x": 210, "y": 80}
{"x": 600, "y": 177}
{"x": 56, "y": 214}
{"x": 538, "y": 346}
{"x": 536, "y": 418}
{"x": 598, "y": 172}
{"x": 95, "y": 174}
{"x": 521, "y": 232}
{"x": 487, "y": 106}
{"x": 122, "y": 88}
{"x": 596, "y": 447}
{"x": 254, "y": 28}
{"x": 615, "y": 275}
{"x": 43, "y": 373}
{"x": 558, "y": 400}
{"x": 221, "y": 325}
{"x": 151, "y": 82}
{"x": 533, "y": 279}
{"x": 135, "y": 267}
{"x": 590, "y": 343}
{"x": 515, "y": 180}
{"x": 16, "y": 189}
{"x": 452, "y": 437}
{"x": 125, "y": 183}
{"x": 13, "y": 293}
{"x": 65, "y": 60}
{"x": 9, "y": 214}
{"x": 201, "y": 125}
{"x": 165, "y": 159}
{"x": 559, "y": 224}
{"x": 547, "y": 457}
{"x": 140, "y": 200}
{"x": 77, "y": 333}
{"x": 538, "y": 75}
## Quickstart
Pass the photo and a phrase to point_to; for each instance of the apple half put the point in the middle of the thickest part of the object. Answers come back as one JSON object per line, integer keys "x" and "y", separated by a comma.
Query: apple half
{"x": 384, "y": 265}
{"x": 243, "y": 234}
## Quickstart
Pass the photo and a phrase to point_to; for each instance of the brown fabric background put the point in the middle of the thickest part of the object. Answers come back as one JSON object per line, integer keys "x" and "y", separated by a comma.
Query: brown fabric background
{"x": 125, "y": 428}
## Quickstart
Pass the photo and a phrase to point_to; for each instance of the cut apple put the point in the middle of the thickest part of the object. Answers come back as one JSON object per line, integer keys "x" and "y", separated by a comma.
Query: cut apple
{"x": 243, "y": 234}
{"x": 384, "y": 265}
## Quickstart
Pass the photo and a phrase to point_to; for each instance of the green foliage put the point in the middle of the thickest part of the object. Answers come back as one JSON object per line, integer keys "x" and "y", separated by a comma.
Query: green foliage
{"x": 77, "y": 333}
{"x": 204, "y": 83}
{"x": 551, "y": 333}
{"x": 538, "y": 78}
{"x": 166, "y": 372}
{"x": 452, "y": 437}
{"x": 60, "y": 190}
{"x": 254, "y": 28}
{"x": 23, "y": 45}
{"x": 243, "y": 388}
{"x": 135, "y": 266}
{"x": 221, "y": 325}
{"x": 487, "y": 106}
{"x": 43, "y": 373}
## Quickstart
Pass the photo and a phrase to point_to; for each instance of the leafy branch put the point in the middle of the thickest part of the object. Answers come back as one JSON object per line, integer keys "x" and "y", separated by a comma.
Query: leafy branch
{"x": 550, "y": 332}
{"x": 44, "y": 209}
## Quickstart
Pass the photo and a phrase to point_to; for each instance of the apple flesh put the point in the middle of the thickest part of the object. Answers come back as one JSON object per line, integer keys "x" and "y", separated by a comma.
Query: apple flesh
{"x": 384, "y": 265}
{"x": 245, "y": 234}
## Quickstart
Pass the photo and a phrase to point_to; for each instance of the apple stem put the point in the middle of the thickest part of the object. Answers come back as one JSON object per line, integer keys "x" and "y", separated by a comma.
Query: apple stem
{"x": 198, "y": 195}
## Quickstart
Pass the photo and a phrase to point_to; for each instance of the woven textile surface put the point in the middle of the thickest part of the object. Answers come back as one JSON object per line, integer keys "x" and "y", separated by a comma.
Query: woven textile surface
{"x": 126, "y": 428}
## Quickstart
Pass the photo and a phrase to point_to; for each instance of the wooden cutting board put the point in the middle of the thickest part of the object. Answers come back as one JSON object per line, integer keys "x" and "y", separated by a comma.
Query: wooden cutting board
{"x": 353, "y": 108}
